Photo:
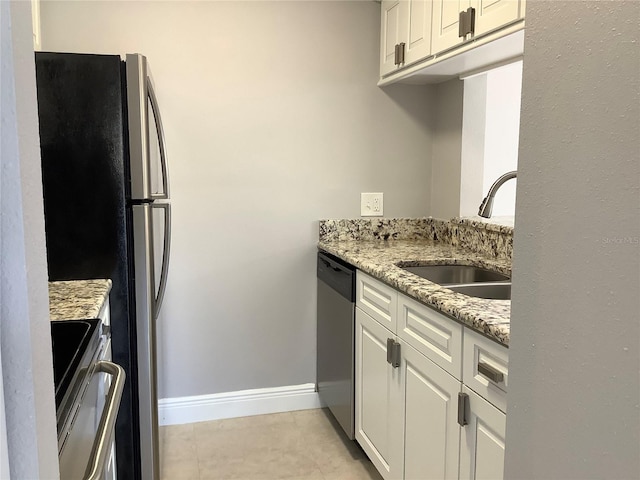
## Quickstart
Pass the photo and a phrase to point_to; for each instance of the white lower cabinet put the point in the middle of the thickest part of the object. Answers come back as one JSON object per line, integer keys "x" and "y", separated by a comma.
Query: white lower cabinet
{"x": 483, "y": 440}
{"x": 379, "y": 422}
{"x": 406, "y": 415}
{"x": 409, "y": 420}
{"x": 432, "y": 432}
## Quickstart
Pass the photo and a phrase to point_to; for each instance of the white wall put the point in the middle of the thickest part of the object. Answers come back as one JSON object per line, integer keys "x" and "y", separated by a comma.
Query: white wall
{"x": 504, "y": 88}
{"x": 575, "y": 333}
{"x": 474, "y": 132}
{"x": 273, "y": 120}
{"x": 491, "y": 123}
{"x": 25, "y": 333}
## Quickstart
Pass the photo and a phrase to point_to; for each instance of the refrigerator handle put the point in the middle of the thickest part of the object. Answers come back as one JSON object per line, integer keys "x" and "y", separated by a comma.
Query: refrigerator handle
{"x": 157, "y": 304}
{"x": 163, "y": 150}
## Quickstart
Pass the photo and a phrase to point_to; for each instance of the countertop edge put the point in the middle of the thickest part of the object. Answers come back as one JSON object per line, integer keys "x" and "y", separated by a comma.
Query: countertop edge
{"x": 77, "y": 299}
{"x": 489, "y": 317}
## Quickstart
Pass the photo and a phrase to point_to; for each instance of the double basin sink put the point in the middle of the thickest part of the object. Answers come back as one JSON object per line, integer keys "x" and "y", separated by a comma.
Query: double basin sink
{"x": 466, "y": 279}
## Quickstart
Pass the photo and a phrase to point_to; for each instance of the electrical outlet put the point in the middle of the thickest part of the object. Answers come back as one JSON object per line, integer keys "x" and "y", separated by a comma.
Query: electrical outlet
{"x": 371, "y": 204}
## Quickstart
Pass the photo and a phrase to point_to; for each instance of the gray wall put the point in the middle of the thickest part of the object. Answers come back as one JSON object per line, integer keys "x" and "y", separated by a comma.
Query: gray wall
{"x": 25, "y": 333}
{"x": 447, "y": 149}
{"x": 273, "y": 120}
{"x": 574, "y": 360}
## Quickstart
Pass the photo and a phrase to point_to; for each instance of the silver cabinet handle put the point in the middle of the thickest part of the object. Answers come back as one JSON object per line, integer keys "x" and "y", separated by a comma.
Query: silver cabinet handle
{"x": 395, "y": 358}
{"x": 490, "y": 372}
{"x": 401, "y": 46}
{"x": 463, "y": 409}
{"x": 472, "y": 19}
{"x": 393, "y": 353}
{"x": 389, "y": 350}
{"x": 462, "y": 24}
{"x": 102, "y": 443}
{"x": 467, "y": 22}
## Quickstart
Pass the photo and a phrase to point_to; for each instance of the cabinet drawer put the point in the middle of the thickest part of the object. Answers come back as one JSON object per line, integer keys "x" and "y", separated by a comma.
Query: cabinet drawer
{"x": 486, "y": 368}
{"x": 377, "y": 299}
{"x": 434, "y": 335}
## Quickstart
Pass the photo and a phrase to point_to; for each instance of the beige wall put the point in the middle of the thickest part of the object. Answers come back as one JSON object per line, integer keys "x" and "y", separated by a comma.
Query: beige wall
{"x": 273, "y": 120}
{"x": 574, "y": 355}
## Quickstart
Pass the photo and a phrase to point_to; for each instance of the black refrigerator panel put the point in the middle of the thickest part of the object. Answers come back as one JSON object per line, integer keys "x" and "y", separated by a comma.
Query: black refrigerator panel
{"x": 82, "y": 121}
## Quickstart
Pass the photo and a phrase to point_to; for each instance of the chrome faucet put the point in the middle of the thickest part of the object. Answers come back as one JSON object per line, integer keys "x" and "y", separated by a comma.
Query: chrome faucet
{"x": 486, "y": 207}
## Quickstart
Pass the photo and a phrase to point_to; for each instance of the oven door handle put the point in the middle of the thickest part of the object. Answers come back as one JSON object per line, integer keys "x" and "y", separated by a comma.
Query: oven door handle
{"x": 102, "y": 443}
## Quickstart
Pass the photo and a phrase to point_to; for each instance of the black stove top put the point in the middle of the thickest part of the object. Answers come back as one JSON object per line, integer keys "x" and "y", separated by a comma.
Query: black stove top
{"x": 71, "y": 340}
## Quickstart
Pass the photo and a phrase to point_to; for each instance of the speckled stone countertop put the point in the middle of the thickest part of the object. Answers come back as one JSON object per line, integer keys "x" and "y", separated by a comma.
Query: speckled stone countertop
{"x": 77, "y": 299}
{"x": 380, "y": 259}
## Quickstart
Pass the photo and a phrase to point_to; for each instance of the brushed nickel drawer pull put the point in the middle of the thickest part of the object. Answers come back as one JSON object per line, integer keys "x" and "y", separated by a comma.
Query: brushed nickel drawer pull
{"x": 463, "y": 409}
{"x": 393, "y": 353}
{"x": 401, "y": 46}
{"x": 490, "y": 372}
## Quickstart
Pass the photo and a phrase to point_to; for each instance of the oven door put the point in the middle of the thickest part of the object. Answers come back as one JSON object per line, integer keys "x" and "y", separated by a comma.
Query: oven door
{"x": 85, "y": 451}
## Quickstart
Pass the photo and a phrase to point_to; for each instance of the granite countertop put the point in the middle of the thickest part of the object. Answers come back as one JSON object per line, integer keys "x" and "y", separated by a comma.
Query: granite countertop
{"x": 77, "y": 299}
{"x": 378, "y": 258}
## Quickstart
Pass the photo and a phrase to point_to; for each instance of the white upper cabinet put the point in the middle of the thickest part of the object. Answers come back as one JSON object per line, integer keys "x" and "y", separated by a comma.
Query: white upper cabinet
{"x": 489, "y": 15}
{"x": 494, "y": 14}
{"x": 390, "y": 33}
{"x": 405, "y": 34}
{"x": 446, "y": 23}
{"x": 417, "y": 36}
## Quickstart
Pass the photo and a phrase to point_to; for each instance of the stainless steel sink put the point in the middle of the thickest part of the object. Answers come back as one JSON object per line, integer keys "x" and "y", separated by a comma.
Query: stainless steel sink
{"x": 455, "y": 274}
{"x": 493, "y": 291}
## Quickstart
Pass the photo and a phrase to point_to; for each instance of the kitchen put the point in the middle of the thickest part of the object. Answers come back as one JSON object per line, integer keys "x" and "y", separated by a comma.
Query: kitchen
{"x": 227, "y": 191}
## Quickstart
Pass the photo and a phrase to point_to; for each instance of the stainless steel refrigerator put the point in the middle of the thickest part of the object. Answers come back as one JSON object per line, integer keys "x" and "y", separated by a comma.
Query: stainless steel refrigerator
{"x": 107, "y": 215}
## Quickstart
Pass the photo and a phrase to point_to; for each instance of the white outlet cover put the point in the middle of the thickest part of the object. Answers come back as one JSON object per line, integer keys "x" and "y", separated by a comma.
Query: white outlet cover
{"x": 371, "y": 205}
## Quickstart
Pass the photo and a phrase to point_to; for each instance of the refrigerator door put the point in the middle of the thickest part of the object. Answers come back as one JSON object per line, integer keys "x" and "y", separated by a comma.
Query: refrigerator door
{"x": 151, "y": 231}
{"x": 147, "y": 151}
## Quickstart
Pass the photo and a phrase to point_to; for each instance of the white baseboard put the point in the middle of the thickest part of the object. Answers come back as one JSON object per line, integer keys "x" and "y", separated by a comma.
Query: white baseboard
{"x": 203, "y": 408}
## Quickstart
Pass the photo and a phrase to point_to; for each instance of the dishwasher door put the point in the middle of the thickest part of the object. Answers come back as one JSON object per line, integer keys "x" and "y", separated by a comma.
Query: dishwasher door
{"x": 335, "y": 344}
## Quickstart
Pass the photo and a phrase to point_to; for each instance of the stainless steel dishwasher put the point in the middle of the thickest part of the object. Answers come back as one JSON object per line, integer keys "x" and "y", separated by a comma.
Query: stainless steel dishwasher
{"x": 335, "y": 344}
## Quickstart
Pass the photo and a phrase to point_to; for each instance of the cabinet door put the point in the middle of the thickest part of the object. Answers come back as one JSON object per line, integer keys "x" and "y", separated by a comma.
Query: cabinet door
{"x": 483, "y": 440}
{"x": 432, "y": 432}
{"x": 446, "y": 14}
{"x": 493, "y": 14}
{"x": 379, "y": 413}
{"x": 393, "y": 21}
{"x": 418, "y": 38}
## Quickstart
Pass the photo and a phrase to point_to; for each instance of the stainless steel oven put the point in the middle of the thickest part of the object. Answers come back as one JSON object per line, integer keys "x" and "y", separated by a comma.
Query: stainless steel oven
{"x": 88, "y": 393}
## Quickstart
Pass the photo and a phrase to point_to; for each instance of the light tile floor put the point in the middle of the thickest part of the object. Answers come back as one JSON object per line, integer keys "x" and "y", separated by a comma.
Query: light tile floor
{"x": 305, "y": 445}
